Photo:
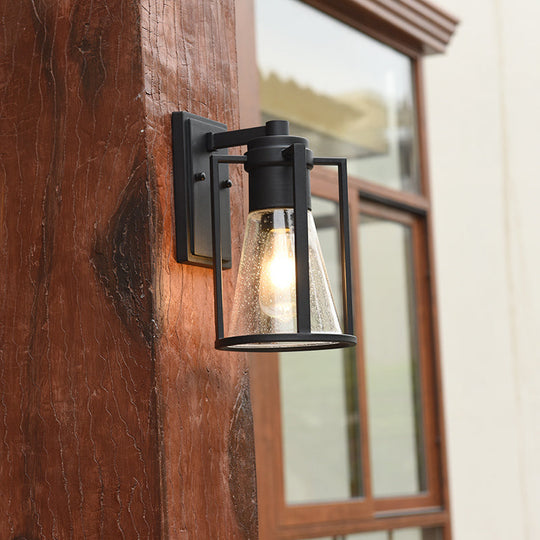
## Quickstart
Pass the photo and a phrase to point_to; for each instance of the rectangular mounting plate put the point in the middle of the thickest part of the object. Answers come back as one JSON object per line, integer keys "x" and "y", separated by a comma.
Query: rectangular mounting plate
{"x": 192, "y": 195}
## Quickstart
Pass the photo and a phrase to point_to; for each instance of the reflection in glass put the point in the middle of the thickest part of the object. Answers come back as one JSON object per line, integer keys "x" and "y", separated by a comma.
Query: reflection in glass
{"x": 418, "y": 534}
{"x": 319, "y": 403}
{"x": 347, "y": 93}
{"x": 374, "y": 535}
{"x": 391, "y": 358}
{"x": 397, "y": 534}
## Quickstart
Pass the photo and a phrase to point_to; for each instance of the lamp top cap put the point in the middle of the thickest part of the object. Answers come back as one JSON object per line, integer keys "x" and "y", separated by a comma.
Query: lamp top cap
{"x": 277, "y": 127}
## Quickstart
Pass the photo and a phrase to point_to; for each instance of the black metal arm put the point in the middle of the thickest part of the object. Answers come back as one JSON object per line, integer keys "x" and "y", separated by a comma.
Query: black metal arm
{"x": 239, "y": 137}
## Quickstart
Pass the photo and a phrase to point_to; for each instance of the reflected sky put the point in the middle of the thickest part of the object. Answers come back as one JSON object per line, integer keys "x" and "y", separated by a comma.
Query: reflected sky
{"x": 347, "y": 93}
{"x": 333, "y": 57}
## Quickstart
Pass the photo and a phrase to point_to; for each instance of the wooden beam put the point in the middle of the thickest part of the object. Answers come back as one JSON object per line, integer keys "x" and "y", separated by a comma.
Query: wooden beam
{"x": 118, "y": 417}
{"x": 209, "y": 484}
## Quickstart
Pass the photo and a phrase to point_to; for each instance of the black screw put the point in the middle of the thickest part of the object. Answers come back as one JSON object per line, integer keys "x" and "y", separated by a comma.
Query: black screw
{"x": 226, "y": 183}
{"x": 200, "y": 176}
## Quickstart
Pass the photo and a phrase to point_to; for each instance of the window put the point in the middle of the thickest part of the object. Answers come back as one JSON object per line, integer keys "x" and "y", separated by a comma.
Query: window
{"x": 398, "y": 534}
{"x": 349, "y": 441}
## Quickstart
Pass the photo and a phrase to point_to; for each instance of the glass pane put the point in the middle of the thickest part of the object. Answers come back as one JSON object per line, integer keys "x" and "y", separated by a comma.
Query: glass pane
{"x": 399, "y": 534}
{"x": 347, "y": 93}
{"x": 418, "y": 534}
{"x": 375, "y": 535}
{"x": 391, "y": 357}
{"x": 319, "y": 402}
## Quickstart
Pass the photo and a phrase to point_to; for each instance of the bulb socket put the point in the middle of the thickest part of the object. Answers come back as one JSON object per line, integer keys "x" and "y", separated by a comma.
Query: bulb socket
{"x": 271, "y": 182}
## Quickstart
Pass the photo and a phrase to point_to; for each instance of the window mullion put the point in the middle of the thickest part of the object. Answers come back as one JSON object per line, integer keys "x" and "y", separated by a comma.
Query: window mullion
{"x": 359, "y": 350}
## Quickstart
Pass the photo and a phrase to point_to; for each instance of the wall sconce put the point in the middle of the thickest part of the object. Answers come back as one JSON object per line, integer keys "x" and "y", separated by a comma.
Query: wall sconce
{"x": 282, "y": 298}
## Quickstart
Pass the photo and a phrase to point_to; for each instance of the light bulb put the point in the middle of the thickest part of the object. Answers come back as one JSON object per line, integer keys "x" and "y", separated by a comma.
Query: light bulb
{"x": 265, "y": 295}
{"x": 277, "y": 287}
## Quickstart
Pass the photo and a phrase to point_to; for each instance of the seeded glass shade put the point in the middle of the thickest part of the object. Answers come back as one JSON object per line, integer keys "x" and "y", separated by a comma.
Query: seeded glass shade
{"x": 265, "y": 295}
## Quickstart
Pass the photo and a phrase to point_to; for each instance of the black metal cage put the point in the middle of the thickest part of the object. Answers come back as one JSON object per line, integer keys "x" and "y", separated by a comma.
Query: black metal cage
{"x": 278, "y": 166}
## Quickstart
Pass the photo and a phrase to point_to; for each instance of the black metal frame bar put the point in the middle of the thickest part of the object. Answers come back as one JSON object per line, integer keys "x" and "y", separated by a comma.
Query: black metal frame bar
{"x": 345, "y": 240}
{"x": 239, "y": 137}
{"x": 301, "y": 240}
{"x": 267, "y": 342}
{"x": 215, "y": 184}
{"x": 322, "y": 341}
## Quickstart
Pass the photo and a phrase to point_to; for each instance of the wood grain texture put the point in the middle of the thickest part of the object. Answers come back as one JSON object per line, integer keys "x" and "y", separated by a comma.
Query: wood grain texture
{"x": 209, "y": 487}
{"x": 118, "y": 419}
{"x": 78, "y": 452}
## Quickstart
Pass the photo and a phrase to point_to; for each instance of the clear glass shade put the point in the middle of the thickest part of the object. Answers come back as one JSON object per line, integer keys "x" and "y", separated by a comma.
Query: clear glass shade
{"x": 265, "y": 295}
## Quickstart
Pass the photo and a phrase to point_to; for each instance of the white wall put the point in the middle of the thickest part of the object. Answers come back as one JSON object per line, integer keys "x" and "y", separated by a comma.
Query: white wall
{"x": 483, "y": 104}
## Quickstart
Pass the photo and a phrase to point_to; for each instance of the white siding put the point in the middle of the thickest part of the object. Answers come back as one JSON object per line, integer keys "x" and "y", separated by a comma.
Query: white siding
{"x": 483, "y": 104}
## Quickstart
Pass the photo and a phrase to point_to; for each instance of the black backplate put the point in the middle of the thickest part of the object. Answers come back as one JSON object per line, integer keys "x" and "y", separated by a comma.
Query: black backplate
{"x": 192, "y": 203}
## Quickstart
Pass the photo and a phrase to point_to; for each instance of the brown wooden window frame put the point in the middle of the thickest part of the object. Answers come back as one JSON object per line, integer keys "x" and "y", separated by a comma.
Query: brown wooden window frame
{"x": 414, "y": 28}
